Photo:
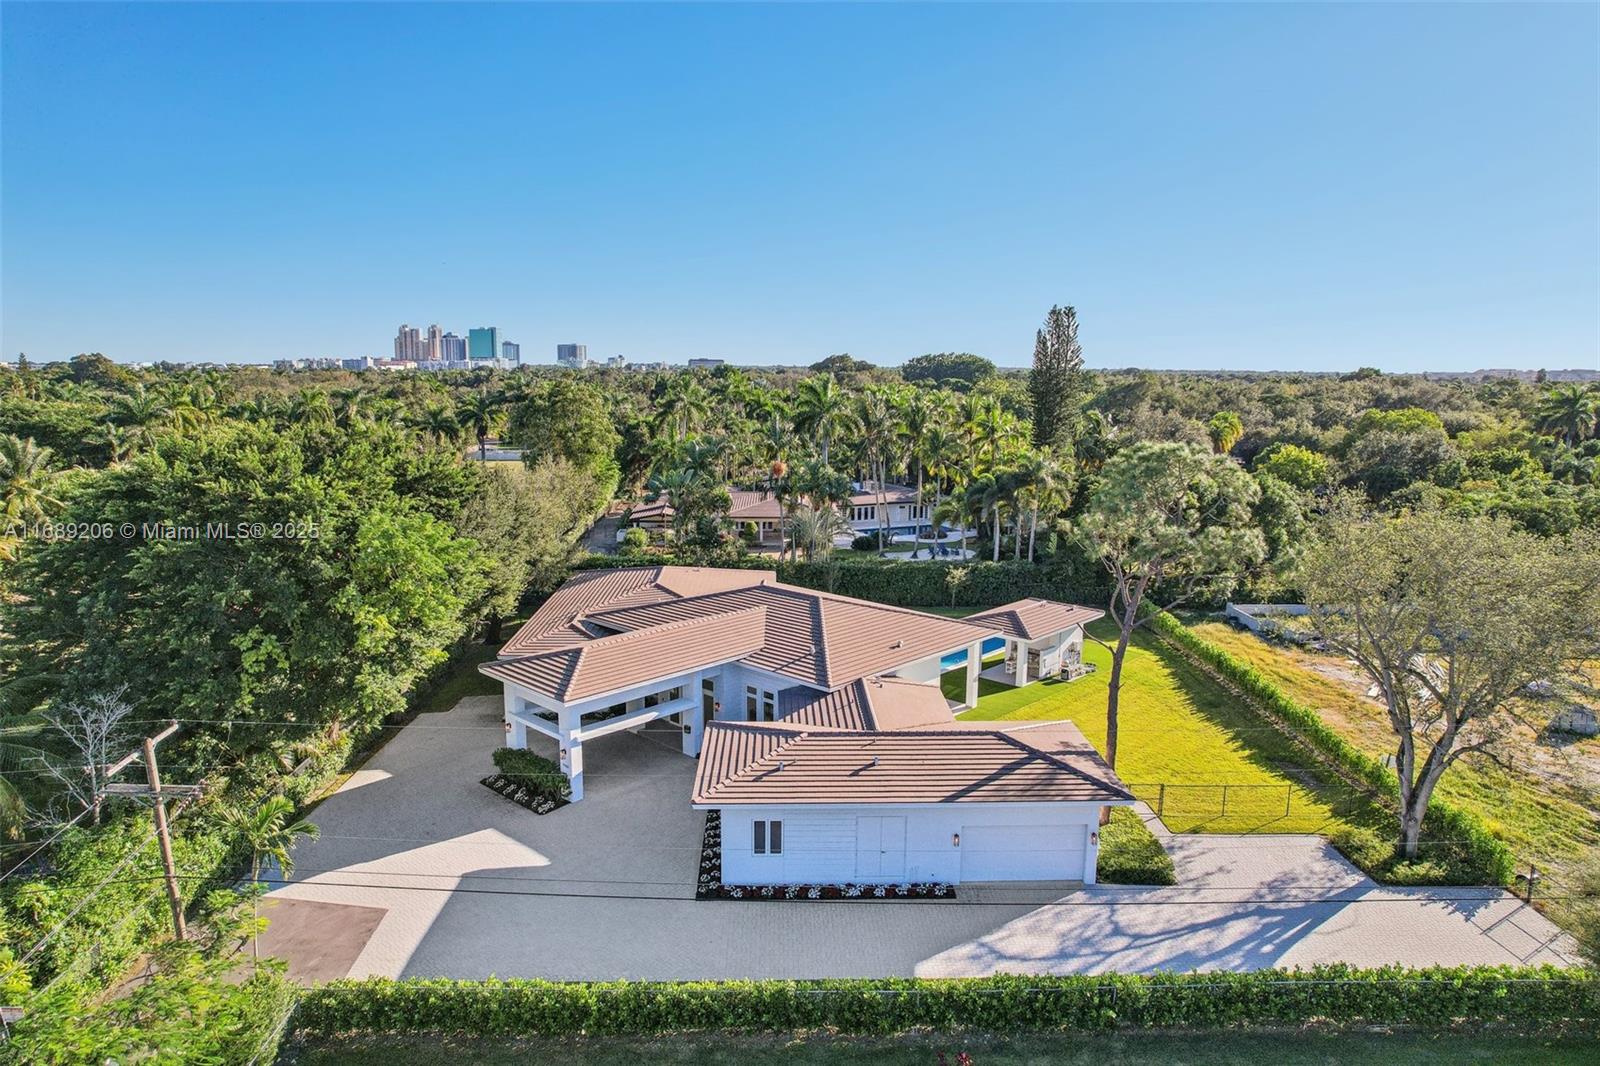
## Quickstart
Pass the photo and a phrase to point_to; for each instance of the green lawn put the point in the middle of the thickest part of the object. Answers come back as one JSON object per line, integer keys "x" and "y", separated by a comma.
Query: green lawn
{"x": 1179, "y": 727}
{"x": 1076, "y": 1049}
{"x": 462, "y": 680}
{"x": 1539, "y": 819}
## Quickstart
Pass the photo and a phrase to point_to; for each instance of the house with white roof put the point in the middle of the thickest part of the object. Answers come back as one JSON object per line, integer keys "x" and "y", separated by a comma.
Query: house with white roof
{"x": 823, "y": 737}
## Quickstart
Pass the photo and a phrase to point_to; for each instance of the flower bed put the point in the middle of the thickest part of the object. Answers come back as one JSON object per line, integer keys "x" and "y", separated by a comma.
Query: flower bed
{"x": 710, "y": 886}
{"x": 520, "y": 793}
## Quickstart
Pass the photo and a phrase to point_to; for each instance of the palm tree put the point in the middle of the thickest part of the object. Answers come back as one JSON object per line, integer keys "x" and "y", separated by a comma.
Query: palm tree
{"x": 935, "y": 450}
{"x": 821, "y": 409}
{"x": 479, "y": 415}
{"x": 439, "y": 422}
{"x": 311, "y": 407}
{"x": 25, "y": 479}
{"x": 1049, "y": 486}
{"x": 119, "y": 445}
{"x": 17, "y": 756}
{"x": 683, "y": 407}
{"x": 1224, "y": 429}
{"x": 271, "y": 832}
{"x": 879, "y": 435}
{"x": 814, "y": 529}
{"x": 1571, "y": 412}
{"x": 139, "y": 410}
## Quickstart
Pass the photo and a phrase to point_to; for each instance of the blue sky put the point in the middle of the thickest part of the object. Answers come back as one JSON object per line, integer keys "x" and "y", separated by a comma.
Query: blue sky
{"x": 1254, "y": 187}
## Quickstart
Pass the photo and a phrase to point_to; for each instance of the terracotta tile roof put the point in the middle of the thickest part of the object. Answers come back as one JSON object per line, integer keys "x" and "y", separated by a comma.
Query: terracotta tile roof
{"x": 892, "y": 494}
{"x": 749, "y": 504}
{"x": 660, "y": 509}
{"x": 818, "y": 639}
{"x": 612, "y": 663}
{"x": 762, "y": 763}
{"x": 555, "y": 624}
{"x": 883, "y": 703}
{"x": 1032, "y": 619}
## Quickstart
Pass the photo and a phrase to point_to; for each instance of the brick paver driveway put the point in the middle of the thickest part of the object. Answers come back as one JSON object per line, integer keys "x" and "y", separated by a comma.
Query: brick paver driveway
{"x": 421, "y": 871}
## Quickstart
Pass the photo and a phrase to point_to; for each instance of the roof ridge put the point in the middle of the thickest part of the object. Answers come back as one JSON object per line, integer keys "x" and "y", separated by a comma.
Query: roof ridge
{"x": 822, "y": 645}
{"x": 1058, "y": 763}
{"x": 674, "y": 623}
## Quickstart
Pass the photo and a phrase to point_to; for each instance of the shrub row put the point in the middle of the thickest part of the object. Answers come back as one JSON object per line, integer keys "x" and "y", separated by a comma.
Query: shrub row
{"x": 1529, "y": 997}
{"x": 543, "y": 776}
{"x": 1467, "y": 852}
{"x": 1130, "y": 854}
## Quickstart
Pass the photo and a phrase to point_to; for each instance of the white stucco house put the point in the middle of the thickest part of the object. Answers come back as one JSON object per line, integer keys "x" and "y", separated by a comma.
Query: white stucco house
{"x": 904, "y": 514}
{"x": 823, "y": 737}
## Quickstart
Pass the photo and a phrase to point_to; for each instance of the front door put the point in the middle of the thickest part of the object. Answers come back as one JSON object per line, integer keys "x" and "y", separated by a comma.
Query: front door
{"x": 708, "y": 700}
{"x": 880, "y": 848}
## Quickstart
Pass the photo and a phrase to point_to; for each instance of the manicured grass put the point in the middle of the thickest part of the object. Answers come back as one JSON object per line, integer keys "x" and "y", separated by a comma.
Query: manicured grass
{"x": 1299, "y": 1048}
{"x": 462, "y": 680}
{"x": 1180, "y": 728}
{"x": 1541, "y": 820}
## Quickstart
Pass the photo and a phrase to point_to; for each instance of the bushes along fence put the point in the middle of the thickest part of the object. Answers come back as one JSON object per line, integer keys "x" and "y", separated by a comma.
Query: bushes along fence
{"x": 1531, "y": 997}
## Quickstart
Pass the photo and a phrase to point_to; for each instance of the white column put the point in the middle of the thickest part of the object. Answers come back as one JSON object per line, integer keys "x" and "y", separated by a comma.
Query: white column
{"x": 694, "y": 719}
{"x": 974, "y": 667}
{"x": 1022, "y": 663}
{"x": 516, "y": 732}
{"x": 571, "y": 751}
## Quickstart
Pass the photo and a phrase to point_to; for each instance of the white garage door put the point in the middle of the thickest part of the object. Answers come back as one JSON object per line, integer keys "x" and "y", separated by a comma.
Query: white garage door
{"x": 1022, "y": 852}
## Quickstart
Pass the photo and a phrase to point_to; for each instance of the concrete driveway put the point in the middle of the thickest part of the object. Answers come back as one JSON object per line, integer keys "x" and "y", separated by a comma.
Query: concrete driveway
{"x": 421, "y": 871}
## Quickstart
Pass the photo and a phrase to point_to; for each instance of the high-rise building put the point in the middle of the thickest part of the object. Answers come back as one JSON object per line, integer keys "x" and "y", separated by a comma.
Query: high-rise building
{"x": 408, "y": 343}
{"x": 483, "y": 343}
{"x": 574, "y": 355}
{"x": 434, "y": 349}
{"x": 511, "y": 352}
{"x": 705, "y": 364}
{"x": 453, "y": 349}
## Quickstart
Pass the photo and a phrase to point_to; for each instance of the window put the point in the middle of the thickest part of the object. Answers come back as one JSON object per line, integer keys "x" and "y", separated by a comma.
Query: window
{"x": 767, "y": 838}
{"x": 760, "y": 705}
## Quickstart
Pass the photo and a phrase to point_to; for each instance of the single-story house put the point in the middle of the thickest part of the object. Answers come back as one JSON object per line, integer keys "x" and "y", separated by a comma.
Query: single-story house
{"x": 824, "y": 738}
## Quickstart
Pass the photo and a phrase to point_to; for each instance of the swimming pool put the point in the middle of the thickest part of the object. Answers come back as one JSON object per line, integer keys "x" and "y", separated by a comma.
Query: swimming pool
{"x": 959, "y": 658}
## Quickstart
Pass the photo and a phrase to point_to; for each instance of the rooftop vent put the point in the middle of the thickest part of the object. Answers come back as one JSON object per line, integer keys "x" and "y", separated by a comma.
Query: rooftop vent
{"x": 898, "y": 644}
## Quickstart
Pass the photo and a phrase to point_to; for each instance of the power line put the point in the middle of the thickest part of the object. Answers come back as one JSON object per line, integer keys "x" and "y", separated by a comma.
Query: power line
{"x": 22, "y": 862}
{"x": 1102, "y": 899}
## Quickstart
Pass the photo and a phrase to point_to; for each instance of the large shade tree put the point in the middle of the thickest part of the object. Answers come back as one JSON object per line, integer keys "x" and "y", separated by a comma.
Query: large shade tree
{"x": 1455, "y": 620}
{"x": 1167, "y": 520}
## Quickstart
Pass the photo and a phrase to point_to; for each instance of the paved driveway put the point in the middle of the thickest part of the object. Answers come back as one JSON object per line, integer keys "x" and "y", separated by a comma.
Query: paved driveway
{"x": 421, "y": 871}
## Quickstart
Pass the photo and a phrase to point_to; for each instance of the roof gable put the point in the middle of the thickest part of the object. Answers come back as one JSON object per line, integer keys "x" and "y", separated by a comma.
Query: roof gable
{"x": 813, "y": 765}
{"x": 610, "y": 664}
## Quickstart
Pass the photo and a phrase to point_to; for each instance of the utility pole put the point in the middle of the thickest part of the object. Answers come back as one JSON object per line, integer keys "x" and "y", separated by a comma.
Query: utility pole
{"x": 153, "y": 776}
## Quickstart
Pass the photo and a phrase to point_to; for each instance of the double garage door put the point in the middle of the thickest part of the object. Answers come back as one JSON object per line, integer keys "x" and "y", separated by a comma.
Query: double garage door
{"x": 1023, "y": 852}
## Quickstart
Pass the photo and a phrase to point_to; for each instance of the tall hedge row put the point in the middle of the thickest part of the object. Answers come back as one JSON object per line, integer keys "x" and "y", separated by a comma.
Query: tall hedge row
{"x": 1530, "y": 997}
{"x": 908, "y": 584}
{"x": 1471, "y": 849}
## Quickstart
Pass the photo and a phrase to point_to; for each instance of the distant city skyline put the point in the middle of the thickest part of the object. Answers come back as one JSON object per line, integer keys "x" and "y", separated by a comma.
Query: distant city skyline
{"x": 1240, "y": 187}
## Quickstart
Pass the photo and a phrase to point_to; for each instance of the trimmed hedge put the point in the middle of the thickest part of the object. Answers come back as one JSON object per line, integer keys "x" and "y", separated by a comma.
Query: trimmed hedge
{"x": 1470, "y": 854}
{"x": 1529, "y": 996}
{"x": 1130, "y": 854}
{"x": 543, "y": 776}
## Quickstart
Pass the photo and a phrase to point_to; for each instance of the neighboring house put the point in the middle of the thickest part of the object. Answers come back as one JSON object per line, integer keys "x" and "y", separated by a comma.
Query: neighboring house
{"x": 823, "y": 735}
{"x": 759, "y": 508}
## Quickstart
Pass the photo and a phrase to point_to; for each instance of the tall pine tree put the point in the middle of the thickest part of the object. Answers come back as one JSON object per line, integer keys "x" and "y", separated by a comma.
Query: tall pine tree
{"x": 1058, "y": 381}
